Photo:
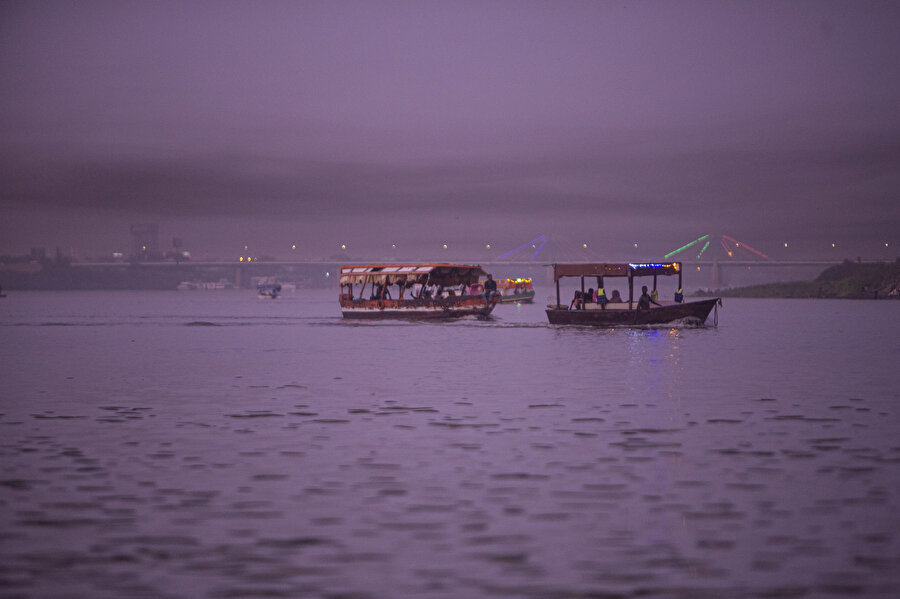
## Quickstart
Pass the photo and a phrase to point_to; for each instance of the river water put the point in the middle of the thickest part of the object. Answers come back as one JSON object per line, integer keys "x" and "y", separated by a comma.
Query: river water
{"x": 210, "y": 444}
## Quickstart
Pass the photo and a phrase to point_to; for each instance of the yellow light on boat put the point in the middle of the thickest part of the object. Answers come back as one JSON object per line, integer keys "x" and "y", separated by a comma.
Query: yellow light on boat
{"x": 885, "y": 245}
{"x": 245, "y": 248}
{"x": 241, "y": 259}
{"x": 832, "y": 245}
{"x": 488, "y": 246}
{"x": 445, "y": 246}
{"x": 343, "y": 246}
{"x": 785, "y": 244}
{"x": 584, "y": 245}
{"x": 635, "y": 245}
{"x": 394, "y": 246}
{"x": 698, "y": 268}
{"x": 249, "y": 258}
{"x": 294, "y": 247}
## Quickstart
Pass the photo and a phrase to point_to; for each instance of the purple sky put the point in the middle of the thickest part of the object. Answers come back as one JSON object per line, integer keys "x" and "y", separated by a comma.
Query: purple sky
{"x": 372, "y": 123}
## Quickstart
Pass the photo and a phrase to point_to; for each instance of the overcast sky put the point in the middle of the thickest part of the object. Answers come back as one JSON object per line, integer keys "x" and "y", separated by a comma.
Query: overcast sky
{"x": 422, "y": 123}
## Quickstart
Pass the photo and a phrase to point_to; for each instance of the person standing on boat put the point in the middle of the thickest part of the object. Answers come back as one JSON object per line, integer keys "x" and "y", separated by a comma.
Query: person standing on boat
{"x": 601, "y": 298}
{"x": 490, "y": 288}
{"x": 645, "y": 300}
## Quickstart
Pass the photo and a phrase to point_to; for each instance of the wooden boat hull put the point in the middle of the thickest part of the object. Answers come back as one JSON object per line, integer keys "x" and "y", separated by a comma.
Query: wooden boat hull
{"x": 452, "y": 307}
{"x": 525, "y": 297}
{"x": 688, "y": 313}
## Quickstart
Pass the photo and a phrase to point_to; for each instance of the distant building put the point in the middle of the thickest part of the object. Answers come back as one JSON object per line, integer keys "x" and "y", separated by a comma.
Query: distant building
{"x": 144, "y": 241}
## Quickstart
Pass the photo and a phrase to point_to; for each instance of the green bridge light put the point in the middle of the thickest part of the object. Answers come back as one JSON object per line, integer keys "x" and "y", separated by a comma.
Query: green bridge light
{"x": 681, "y": 249}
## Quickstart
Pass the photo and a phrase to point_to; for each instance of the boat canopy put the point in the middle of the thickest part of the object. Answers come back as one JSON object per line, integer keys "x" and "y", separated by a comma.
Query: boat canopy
{"x": 605, "y": 269}
{"x": 446, "y": 275}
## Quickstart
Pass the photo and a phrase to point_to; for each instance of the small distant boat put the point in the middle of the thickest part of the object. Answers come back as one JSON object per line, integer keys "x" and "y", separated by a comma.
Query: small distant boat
{"x": 625, "y": 313}
{"x": 435, "y": 291}
{"x": 205, "y": 285}
{"x": 268, "y": 290}
{"x": 515, "y": 291}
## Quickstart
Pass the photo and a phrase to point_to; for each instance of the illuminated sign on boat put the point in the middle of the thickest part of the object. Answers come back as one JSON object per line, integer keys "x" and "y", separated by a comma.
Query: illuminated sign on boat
{"x": 648, "y": 265}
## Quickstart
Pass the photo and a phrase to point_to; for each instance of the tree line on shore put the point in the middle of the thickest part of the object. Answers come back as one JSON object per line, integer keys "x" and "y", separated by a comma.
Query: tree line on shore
{"x": 849, "y": 280}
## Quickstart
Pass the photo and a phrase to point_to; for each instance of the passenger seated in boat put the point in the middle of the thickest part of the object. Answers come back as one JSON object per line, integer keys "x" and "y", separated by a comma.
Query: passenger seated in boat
{"x": 645, "y": 300}
{"x": 577, "y": 303}
{"x": 616, "y": 298}
{"x": 589, "y": 296}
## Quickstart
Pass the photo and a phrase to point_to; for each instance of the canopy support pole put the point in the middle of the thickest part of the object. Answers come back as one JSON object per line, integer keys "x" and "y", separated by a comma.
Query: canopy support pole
{"x": 582, "y": 293}
{"x": 630, "y": 290}
{"x": 558, "y": 305}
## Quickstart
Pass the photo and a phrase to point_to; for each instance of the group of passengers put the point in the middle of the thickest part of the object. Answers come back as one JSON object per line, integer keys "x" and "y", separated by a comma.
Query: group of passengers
{"x": 429, "y": 291}
{"x": 580, "y": 301}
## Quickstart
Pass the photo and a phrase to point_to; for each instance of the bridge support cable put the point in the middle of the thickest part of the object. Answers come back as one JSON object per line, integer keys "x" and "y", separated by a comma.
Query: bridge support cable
{"x": 684, "y": 247}
{"x": 542, "y": 239}
{"x": 745, "y": 246}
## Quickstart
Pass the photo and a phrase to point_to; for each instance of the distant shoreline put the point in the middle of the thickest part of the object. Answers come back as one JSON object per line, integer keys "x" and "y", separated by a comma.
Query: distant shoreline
{"x": 849, "y": 280}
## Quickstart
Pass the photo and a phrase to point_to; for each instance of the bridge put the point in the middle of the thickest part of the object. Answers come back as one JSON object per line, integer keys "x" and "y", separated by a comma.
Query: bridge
{"x": 530, "y": 259}
{"x": 321, "y": 272}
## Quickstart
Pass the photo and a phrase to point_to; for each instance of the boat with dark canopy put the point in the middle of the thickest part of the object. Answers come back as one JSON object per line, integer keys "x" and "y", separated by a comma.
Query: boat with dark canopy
{"x": 625, "y": 313}
{"x": 417, "y": 291}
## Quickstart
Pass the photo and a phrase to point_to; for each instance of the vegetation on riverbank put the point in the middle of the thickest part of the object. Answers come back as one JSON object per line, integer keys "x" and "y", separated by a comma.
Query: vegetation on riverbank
{"x": 849, "y": 280}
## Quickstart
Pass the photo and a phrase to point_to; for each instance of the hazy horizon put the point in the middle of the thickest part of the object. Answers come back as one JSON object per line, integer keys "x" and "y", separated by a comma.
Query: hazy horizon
{"x": 318, "y": 124}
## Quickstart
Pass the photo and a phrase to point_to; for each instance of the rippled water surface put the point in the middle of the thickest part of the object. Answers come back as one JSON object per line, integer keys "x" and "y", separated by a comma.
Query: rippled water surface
{"x": 210, "y": 444}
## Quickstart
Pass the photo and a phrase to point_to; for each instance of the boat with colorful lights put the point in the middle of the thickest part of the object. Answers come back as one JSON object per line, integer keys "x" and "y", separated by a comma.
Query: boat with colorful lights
{"x": 413, "y": 291}
{"x": 515, "y": 291}
{"x": 596, "y": 309}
